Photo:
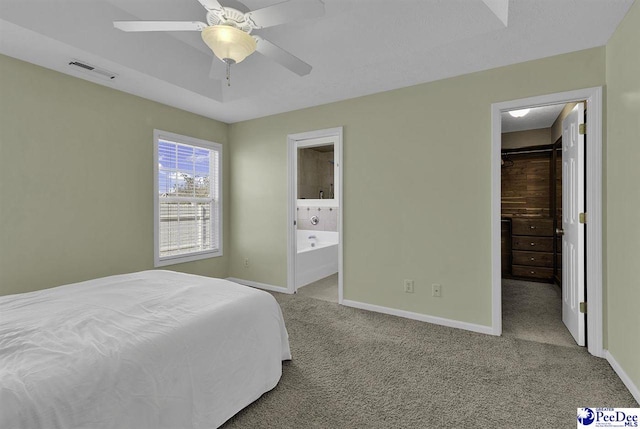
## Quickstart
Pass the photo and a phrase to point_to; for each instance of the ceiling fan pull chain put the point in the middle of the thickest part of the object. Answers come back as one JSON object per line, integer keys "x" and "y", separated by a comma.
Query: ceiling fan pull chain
{"x": 228, "y": 73}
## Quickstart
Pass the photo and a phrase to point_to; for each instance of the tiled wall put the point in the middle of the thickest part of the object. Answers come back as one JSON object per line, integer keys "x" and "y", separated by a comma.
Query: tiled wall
{"x": 328, "y": 218}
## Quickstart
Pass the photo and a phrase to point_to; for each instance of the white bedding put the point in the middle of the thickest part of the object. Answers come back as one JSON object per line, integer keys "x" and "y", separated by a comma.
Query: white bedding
{"x": 155, "y": 349}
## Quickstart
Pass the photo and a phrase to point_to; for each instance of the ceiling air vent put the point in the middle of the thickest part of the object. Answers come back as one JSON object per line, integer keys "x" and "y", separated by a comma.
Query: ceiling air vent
{"x": 94, "y": 71}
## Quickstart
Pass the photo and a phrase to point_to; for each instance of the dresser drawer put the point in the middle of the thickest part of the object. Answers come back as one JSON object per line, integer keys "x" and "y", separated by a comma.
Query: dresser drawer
{"x": 536, "y": 259}
{"x": 536, "y": 244}
{"x": 533, "y": 272}
{"x": 532, "y": 226}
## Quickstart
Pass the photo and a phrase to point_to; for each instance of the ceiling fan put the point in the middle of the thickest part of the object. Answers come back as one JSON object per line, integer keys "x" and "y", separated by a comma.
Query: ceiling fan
{"x": 228, "y": 31}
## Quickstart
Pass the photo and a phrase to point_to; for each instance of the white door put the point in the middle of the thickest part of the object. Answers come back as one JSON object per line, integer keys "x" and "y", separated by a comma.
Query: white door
{"x": 573, "y": 269}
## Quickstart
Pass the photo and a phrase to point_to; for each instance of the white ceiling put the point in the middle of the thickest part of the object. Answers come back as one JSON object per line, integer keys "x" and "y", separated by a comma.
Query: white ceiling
{"x": 359, "y": 47}
{"x": 538, "y": 117}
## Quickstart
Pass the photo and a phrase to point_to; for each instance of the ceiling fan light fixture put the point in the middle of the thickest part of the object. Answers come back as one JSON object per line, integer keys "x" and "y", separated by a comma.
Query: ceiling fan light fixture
{"x": 519, "y": 113}
{"x": 228, "y": 43}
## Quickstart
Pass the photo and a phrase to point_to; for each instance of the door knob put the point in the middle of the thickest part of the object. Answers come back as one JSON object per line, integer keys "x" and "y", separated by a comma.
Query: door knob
{"x": 559, "y": 231}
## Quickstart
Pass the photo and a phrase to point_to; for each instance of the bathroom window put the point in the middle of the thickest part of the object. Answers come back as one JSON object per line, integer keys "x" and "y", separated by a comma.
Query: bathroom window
{"x": 187, "y": 198}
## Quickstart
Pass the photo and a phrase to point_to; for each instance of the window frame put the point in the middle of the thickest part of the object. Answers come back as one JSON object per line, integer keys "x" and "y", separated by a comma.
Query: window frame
{"x": 217, "y": 229}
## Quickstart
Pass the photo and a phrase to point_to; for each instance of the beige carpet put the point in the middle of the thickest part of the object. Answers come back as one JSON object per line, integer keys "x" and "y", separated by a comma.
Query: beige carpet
{"x": 357, "y": 369}
{"x": 533, "y": 311}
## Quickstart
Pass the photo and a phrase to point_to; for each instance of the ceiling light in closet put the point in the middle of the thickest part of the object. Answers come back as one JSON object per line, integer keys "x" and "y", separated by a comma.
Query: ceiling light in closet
{"x": 519, "y": 113}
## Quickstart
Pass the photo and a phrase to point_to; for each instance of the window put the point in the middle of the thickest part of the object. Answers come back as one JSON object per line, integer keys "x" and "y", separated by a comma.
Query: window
{"x": 188, "y": 198}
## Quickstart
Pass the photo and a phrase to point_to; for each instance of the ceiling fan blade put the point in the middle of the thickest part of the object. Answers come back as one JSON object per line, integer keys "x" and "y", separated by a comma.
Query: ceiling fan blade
{"x": 211, "y": 4}
{"x": 159, "y": 25}
{"x": 284, "y": 12}
{"x": 282, "y": 57}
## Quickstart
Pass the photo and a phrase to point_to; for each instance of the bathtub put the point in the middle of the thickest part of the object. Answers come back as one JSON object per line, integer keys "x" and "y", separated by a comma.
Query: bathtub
{"x": 317, "y": 258}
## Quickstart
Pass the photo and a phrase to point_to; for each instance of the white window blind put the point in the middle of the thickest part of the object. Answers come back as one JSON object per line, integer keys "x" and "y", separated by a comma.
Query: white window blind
{"x": 188, "y": 199}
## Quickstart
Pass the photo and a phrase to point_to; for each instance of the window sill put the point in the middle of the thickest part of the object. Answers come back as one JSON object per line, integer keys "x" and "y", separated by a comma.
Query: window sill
{"x": 180, "y": 259}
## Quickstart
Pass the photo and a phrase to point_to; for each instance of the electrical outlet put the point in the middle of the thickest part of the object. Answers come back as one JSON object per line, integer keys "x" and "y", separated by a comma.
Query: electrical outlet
{"x": 246, "y": 262}
{"x": 408, "y": 286}
{"x": 436, "y": 290}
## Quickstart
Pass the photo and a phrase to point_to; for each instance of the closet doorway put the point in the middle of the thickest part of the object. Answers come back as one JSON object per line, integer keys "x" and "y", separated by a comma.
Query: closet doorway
{"x": 315, "y": 207}
{"x": 539, "y": 225}
{"x": 531, "y": 225}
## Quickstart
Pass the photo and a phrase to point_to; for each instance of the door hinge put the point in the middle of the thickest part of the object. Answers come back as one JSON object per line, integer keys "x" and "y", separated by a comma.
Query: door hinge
{"x": 295, "y": 223}
{"x": 582, "y": 129}
{"x": 583, "y": 217}
{"x": 583, "y": 307}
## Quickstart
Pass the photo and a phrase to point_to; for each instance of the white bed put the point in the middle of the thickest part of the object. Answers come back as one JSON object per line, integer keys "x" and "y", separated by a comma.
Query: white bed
{"x": 155, "y": 349}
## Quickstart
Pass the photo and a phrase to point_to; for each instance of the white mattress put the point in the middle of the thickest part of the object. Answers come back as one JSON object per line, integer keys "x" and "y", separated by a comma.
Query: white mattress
{"x": 155, "y": 349}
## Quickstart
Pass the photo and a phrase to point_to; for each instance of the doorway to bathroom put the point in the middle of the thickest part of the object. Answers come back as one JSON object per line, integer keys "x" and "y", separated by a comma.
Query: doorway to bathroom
{"x": 314, "y": 214}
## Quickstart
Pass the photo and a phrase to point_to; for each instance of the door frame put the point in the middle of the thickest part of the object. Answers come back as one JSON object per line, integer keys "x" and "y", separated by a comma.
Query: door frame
{"x": 292, "y": 170}
{"x": 594, "y": 272}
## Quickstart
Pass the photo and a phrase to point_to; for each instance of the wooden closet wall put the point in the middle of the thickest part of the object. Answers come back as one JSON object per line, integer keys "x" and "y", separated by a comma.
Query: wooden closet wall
{"x": 531, "y": 203}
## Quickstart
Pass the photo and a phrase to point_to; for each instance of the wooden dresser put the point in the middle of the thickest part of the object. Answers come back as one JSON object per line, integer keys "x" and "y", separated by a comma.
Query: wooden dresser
{"x": 532, "y": 248}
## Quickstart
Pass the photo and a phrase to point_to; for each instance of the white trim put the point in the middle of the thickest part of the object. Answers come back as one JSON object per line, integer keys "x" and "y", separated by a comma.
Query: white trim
{"x": 594, "y": 223}
{"x": 180, "y": 259}
{"x": 593, "y": 96}
{"x": 340, "y": 154}
{"x": 292, "y": 195}
{"x": 312, "y": 141}
{"x": 193, "y": 256}
{"x": 496, "y": 213}
{"x": 623, "y": 375}
{"x": 312, "y": 138}
{"x": 421, "y": 317}
{"x": 257, "y": 285}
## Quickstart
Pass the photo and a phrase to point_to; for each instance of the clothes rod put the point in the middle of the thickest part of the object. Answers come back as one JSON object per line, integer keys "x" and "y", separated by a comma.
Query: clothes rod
{"x": 526, "y": 151}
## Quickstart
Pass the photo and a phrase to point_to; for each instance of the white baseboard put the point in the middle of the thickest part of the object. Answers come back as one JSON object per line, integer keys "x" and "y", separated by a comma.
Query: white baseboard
{"x": 257, "y": 285}
{"x": 421, "y": 317}
{"x": 623, "y": 376}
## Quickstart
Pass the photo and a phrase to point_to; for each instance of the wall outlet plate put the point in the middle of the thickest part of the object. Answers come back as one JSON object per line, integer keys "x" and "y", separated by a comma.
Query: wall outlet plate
{"x": 408, "y": 286}
{"x": 246, "y": 262}
{"x": 436, "y": 290}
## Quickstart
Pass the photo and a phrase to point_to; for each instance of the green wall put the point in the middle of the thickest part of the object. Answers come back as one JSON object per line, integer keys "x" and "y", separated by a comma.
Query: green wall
{"x": 76, "y": 178}
{"x": 417, "y": 185}
{"x": 623, "y": 194}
